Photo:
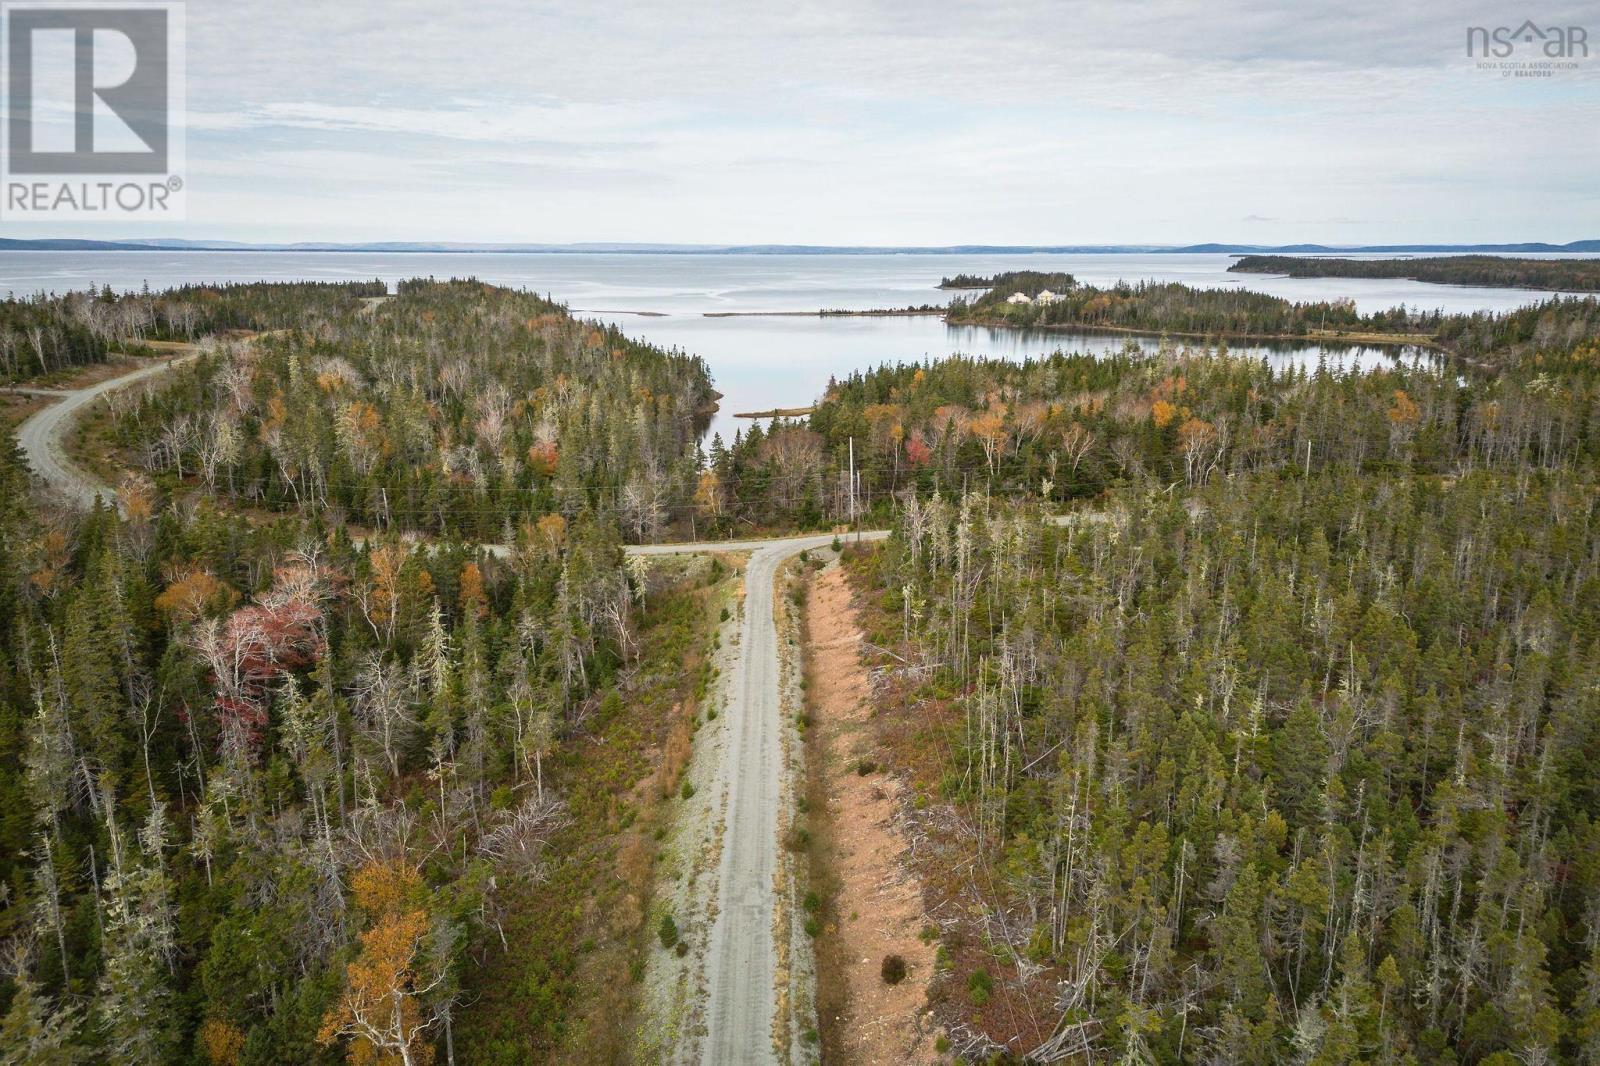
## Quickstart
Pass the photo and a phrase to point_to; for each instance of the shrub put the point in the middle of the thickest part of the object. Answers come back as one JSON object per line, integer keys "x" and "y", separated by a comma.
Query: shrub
{"x": 813, "y": 927}
{"x": 687, "y": 791}
{"x": 682, "y": 948}
{"x": 667, "y": 931}
{"x": 979, "y": 987}
{"x": 865, "y": 767}
{"x": 811, "y": 903}
{"x": 836, "y": 545}
{"x": 894, "y": 969}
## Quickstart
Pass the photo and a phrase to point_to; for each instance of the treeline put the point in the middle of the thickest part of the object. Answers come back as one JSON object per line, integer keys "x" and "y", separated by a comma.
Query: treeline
{"x": 1169, "y": 307}
{"x": 267, "y": 796}
{"x": 43, "y": 335}
{"x": 455, "y": 407}
{"x": 1488, "y": 339}
{"x": 191, "y": 311}
{"x": 1573, "y": 275}
{"x": 1547, "y": 333}
{"x": 1277, "y": 769}
{"x": 966, "y": 281}
{"x": 1030, "y": 282}
{"x": 1072, "y": 426}
{"x": 47, "y": 334}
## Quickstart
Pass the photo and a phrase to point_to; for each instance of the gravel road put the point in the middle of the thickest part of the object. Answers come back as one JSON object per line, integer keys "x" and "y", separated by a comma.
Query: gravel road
{"x": 740, "y": 967}
{"x": 43, "y": 436}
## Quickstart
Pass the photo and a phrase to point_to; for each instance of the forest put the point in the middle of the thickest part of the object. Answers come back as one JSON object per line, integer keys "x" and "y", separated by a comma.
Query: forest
{"x": 1486, "y": 339}
{"x": 1249, "y": 714}
{"x": 1493, "y": 271}
{"x": 270, "y": 793}
{"x": 370, "y": 413}
{"x": 1030, "y": 282}
{"x": 1283, "y": 745}
{"x": 44, "y": 335}
{"x": 1283, "y": 768}
{"x": 1170, "y": 307}
{"x": 1073, "y": 425}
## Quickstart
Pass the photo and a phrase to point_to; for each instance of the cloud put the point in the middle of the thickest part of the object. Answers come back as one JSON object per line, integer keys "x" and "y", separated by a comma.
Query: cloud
{"x": 851, "y": 121}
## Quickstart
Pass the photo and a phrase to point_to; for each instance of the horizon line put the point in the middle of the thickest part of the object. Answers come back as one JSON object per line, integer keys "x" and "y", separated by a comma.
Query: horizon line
{"x": 176, "y": 244}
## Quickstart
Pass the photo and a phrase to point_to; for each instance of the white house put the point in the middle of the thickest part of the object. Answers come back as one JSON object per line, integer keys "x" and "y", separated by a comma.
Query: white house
{"x": 1019, "y": 298}
{"x": 1048, "y": 297}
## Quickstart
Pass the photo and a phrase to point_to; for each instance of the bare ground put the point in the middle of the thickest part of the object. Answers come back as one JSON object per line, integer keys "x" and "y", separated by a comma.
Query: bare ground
{"x": 877, "y": 904}
{"x": 673, "y": 1021}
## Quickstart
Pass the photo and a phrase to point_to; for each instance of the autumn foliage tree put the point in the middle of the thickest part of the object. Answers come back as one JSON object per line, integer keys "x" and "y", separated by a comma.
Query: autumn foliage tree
{"x": 380, "y": 1010}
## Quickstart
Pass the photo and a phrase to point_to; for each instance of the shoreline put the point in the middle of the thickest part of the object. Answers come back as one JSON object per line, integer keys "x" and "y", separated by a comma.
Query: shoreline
{"x": 777, "y": 412}
{"x": 1394, "y": 340}
{"x": 1579, "y": 294}
{"x": 900, "y": 312}
{"x": 894, "y": 312}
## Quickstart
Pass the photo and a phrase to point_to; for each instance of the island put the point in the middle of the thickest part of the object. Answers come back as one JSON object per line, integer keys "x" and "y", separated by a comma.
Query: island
{"x": 1566, "y": 275}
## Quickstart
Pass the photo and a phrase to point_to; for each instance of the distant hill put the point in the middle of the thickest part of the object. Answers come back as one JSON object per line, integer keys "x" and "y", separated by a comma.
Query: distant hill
{"x": 176, "y": 244}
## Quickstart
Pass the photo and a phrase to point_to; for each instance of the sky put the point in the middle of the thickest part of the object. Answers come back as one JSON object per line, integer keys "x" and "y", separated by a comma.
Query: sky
{"x": 857, "y": 122}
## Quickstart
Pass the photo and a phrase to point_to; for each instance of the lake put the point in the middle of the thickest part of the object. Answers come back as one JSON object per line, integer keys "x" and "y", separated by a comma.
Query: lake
{"x": 767, "y": 361}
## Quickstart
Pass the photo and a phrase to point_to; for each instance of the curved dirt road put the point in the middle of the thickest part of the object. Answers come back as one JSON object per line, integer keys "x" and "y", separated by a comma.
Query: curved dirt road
{"x": 43, "y": 436}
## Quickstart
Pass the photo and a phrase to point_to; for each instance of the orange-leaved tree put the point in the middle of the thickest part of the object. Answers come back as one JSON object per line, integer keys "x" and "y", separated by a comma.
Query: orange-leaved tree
{"x": 381, "y": 1008}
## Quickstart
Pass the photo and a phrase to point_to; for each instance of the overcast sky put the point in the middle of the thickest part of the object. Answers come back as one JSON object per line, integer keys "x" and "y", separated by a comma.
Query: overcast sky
{"x": 874, "y": 123}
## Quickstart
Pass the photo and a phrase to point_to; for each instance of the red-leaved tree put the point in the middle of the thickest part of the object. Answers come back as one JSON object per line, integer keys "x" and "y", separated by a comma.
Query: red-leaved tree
{"x": 254, "y": 647}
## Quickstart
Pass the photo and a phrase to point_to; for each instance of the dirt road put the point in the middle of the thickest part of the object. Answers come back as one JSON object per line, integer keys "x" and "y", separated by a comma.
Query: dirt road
{"x": 43, "y": 436}
{"x": 741, "y": 978}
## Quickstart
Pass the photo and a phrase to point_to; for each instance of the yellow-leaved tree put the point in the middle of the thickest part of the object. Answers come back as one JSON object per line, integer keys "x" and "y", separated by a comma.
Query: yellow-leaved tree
{"x": 381, "y": 1008}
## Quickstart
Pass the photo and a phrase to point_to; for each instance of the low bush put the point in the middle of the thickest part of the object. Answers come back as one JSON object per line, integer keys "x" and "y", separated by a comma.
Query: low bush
{"x": 893, "y": 970}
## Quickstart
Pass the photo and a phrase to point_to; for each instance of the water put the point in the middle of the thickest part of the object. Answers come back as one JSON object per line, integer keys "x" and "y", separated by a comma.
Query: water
{"x": 765, "y": 362}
